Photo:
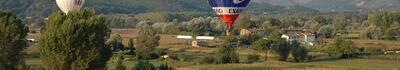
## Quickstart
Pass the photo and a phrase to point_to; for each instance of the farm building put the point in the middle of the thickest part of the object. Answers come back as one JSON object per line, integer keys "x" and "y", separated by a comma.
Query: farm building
{"x": 301, "y": 35}
{"x": 247, "y": 32}
{"x": 199, "y": 41}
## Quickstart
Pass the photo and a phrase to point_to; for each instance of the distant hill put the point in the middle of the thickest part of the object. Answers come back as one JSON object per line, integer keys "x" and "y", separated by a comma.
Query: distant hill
{"x": 341, "y": 5}
{"x": 42, "y": 8}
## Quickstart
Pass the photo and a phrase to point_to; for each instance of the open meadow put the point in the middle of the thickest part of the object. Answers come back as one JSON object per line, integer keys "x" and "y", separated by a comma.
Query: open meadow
{"x": 193, "y": 54}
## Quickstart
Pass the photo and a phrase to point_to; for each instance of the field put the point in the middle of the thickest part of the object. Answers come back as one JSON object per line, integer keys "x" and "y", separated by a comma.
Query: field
{"x": 376, "y": 62}
{"x": 385, "y": 62}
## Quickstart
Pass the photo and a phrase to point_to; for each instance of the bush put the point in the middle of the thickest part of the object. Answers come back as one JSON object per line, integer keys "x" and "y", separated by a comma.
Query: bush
{"x": 161, "y": 52}
{"x": 249, "y": 39}
{"x": 228, "y": 57}
{"x": 345, "y": 48}
{"x": 115, "y": 63}
{"x": 144, "y": 65}
{"x": 299, "y": 54}
{"x": 174, "y": 56}
{"x": 253, "y": 58}
{"x": 184, "y": 57}
{"x": 226, "y": 53}
{"x": 207, "y": 60}
{"x": 283, "y": 50}
{"x": 147, "y": 54}
{"x": 165, "y": 67}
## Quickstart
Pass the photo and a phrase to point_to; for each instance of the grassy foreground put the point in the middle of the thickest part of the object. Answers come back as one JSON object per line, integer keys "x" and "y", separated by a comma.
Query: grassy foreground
{"x": 376, "y": 62}
{"x": 346, "y": 64}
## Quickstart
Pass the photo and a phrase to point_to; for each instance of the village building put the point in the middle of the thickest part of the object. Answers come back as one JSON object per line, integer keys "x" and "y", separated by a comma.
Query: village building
{"x": 302, "y": 35}
{"x": 199, "y": 41}
{"x": 248, "y": 32}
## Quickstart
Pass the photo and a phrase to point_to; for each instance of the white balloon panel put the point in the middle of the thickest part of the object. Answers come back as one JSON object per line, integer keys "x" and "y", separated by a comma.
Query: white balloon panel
{"x": 70, "y": 5}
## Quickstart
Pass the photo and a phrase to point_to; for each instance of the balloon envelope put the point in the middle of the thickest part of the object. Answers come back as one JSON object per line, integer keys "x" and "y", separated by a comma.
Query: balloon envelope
{"x": 70, "y": 5}
{"x": 228, "y": 10}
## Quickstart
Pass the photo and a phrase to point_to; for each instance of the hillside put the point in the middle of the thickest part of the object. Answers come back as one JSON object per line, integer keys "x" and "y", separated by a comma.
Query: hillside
{"x": 341, "y": 5}
{"x": 42, "y": 8}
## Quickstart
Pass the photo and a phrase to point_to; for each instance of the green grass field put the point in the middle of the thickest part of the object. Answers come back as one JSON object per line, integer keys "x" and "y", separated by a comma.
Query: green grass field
{"x": 373, "y": 62}
{"x": 344, "y": 64}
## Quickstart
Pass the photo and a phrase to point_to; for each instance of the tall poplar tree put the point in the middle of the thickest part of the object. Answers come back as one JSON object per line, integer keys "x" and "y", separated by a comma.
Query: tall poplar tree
{"x": 12, "y": 35}
{"x": 147, "y": 42}
{"x": 74, "y": 41}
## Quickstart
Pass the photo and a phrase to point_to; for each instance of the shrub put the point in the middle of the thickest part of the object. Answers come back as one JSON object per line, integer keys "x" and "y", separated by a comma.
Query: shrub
{"x": 174, "y": 56}
{"x": 165, "y": 67}
{"x": 345, "y": 48}
{"x": 207, "y": 60}
{"x": 253, "y": 58}
{"x": 228, "y": 57}
{"x": 299, "y": 54}
{"x": 282, "y": 48}
{"x": 144, "y": 65}
{"x": 115, "y": 63}
{"x": 161, "y": 52}
{"x": 249, "y": 39}
{"x": 298, "y": 51}
{"x": 226, "y": 53}
{"x": 184, "y": 57}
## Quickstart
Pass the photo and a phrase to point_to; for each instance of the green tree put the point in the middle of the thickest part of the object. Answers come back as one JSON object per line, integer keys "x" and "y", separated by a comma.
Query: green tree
{"x": 278, "y": 45}
{"x": 115, "y": 42}
{"x": 144, "y": 23}
{"x": 244, "y": 22}
{"x": 298, "y": 52}
{"x": 131, "y": 44}
{"x": 12, "y": 35}
{"x": 282, "y": 48}
{"x": 274, "y": 22}
{"x": 372, "y": 32}
{"x": 121, "y": 21}
{"x": 344, "y": 48}
{"x": 171, "y": 28}
{"x": 226, "y": 53}
{"x": 147, "y": 41}
{"x": 199, "y": 26}
{"x": 144, "y": 65}
{"x": 339, "y": 21}
{"x": 262, "y": 45}
{"x": 115, "y": 63}
{"x": 326, "y": 31}
{"x": 74, "y": 42}
{"x": 384, "y": 20}
{"x": 321, "y": 20}
{"x": 274, "y": 36}
{"x": 393, "y": 32}
{"x": 248, "y": 39}
{"x": 219, "y": 27}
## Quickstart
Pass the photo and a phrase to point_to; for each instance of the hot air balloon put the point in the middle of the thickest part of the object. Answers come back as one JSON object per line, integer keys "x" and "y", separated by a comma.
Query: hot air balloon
{"x": 70, "y": 5}
{"x": 228, "y": 10}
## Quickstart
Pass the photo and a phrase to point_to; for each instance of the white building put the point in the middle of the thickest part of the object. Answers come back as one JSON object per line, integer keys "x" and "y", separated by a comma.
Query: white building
{"x": 200, "y": 41}
{"x": 309, "y": 38}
